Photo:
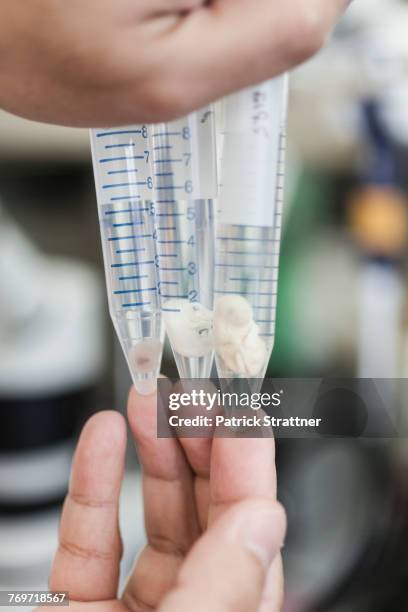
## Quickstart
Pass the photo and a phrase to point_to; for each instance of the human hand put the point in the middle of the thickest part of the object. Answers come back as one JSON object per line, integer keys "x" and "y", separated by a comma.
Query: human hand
{"x": 214, "y": 527}
{"x": 139, "y": 61}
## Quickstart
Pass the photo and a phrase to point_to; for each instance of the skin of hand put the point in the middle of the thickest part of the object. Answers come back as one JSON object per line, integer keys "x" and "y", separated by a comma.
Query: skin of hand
{"x": 214, "y": 528}
{"x": 83, "y": 63}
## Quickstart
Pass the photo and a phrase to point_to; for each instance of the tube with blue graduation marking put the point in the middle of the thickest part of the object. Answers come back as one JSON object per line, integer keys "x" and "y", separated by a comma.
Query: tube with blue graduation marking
{"x": 124, "y": 187}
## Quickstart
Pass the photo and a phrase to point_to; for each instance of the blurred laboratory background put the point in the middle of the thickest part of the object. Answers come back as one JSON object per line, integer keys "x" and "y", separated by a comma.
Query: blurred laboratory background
{"x": 342, "y": 312}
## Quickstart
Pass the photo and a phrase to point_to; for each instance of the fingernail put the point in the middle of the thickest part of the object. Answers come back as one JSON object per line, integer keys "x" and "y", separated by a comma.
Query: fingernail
{"x": 263, "y": 534}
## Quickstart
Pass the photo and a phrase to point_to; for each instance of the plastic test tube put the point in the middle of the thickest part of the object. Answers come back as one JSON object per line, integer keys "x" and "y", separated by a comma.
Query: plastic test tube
{"x": 249, "y": 229}
{"x": 185, "y": 185}
{"x": 124, "y": 186}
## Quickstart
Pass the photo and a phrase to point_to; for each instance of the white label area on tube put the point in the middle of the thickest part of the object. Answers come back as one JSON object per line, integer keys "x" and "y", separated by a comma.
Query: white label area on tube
{"x": 122, "y": 165}
{"x": 184, "y": 157}
{"x": 254, "y": 121}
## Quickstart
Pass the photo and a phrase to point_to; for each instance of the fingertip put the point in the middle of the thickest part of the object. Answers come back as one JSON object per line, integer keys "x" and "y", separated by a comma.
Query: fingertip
{"x": 140, "y": 404}
{"x": 98, "y": 464}
{"x": 132, "y": 399}
{"x": 142, "y": 413}
{"x": 136, "y": 398}
{"x": 107, "y": 427}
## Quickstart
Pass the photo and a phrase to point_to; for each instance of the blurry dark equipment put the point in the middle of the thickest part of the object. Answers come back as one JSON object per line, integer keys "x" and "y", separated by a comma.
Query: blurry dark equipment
{"x": 347, "y": 499}
{"x": 347, "y": 504}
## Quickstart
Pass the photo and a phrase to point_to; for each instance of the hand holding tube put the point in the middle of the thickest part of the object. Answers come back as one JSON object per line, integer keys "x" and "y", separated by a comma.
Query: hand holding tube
{"x": 215, "y": 547}
{"x": 141, "y": 61}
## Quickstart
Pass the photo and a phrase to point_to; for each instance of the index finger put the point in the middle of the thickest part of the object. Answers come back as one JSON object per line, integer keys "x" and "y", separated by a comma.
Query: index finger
{"x": 170, "y": 512}
{"x": 229, "y": 469}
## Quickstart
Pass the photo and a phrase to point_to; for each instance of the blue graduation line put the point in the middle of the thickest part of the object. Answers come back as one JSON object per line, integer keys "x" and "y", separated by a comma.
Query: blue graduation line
{"x": 136, "y": 304}
{"x": 125, "y": 171}
{"x": 134, "y": 237}
{"x": 162, "y": 134}
{"x": 118, "y": 133}
{"x": 107, "y": 160}
{"x": 127, "y": 198}
{"x": 127, "y": 291}
{"x": 178, "y": 160}
{"x": 129, "y": 224}
{"x": 132, "y": 263}
{"x": 117, "y": 185}
{"x": 123, "y": 251}
{"x": 128, "y": 210}
{"x": 117, "y": 146}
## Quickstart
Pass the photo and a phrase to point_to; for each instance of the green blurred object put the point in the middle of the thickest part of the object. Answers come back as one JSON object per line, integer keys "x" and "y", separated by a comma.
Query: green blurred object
{"x": 314, "y": 206}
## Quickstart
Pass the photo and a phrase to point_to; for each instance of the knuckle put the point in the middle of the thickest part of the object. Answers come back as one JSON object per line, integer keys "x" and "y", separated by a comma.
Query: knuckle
{"x": 167, "y": 546}
{"x": 68, "y": 547}
{"x": 86, "y": 501}
{"x": 134, "y": 603}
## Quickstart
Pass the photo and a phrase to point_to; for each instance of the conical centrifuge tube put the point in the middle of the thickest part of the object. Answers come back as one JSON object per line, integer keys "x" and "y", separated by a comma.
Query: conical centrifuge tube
{"x": 185, "y": 185}
{"x": 124, "y": 186}
{"x": 249, "y": 229}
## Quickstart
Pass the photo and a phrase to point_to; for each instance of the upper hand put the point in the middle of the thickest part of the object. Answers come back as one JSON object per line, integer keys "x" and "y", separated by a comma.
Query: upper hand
{"x": 139, "y": 61}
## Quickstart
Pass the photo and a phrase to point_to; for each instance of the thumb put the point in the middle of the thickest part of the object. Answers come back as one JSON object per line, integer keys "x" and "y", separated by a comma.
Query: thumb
{"x": 226, "y": 569}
